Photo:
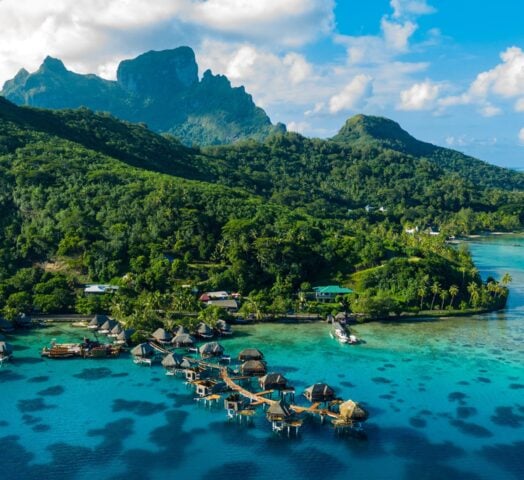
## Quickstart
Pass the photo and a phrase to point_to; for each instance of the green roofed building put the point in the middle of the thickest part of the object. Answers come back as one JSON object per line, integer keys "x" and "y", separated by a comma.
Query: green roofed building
{"x": 328, "y": 293}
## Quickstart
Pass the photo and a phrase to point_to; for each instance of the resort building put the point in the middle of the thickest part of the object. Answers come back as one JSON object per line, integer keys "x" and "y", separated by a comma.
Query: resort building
{"x": 328, "y": 293}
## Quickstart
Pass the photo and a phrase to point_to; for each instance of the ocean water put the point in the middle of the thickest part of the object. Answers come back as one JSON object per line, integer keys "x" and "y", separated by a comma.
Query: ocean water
{"x": 446, "y": 400}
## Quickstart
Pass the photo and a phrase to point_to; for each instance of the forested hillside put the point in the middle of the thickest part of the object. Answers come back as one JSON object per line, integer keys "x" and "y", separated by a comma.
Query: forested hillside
{"x": 85, "y": 197}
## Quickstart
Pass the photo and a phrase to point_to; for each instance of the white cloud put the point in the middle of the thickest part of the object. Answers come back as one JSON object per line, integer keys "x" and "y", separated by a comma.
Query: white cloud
{"x": 352, "y": 94}
{"x": 489, "y": 110}
{"x": 403, "y": 8}
{"x": 396, "y": 35}
{"x": 519, "y": 105}
{"x": 299, "y": 127}
{"x": 299, "y": 68}
{"x": 90, "y": 35}
{"x": 521, "y": 136}
{"x": 420, "y": 96}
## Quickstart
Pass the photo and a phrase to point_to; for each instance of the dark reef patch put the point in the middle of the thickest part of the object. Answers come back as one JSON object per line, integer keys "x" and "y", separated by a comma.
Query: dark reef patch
{"x": 52, "y": 391}
{"x": 30, "y": 419}
{"x": 421, "y": 471}
{"x": 347, "y": 384}
{"x": 483, "y": 380}
{"x": 93, "y": 373}
{"x": 417, "y": 422}
{"x": 10, "y": 376}
{"x": 466, "y": 412}
{"x": 459, "y": 397}
{"x": 472, "y": 429}
{"x": 506, "y": 417}
{"x": 516, "y": 386}
{"x": 39, "y": 379}
{"x": 138, "y": 407}
{"x": 381, "y": 380}
{"x": 33, "y": 405}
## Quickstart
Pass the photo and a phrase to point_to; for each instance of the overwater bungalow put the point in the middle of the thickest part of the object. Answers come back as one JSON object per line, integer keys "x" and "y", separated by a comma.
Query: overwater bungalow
{"x": 223, "y": 327}
{"x": 208, "y": 387}
{"x": 97, "y": 321}
{"x": 182, "y": 340}
{"x": 211, "y": 349}
{"x": 116, "y": 330}
{"x": 162, "y": 336}
{"x": 172, "y": 361}
{"x": 250, "y": 354}
{"x": 6, "y": 351}
{"x": 107, "y": 326}
{"x": 272, "y": 381}
{"x": 319, "y": 392}
{"x": 143, "y": 354}
{"x": 204, "y": 331}
{"x": 253, "y": 368}
{"x": 181, "y": 330}
{"x": 279, "y": 412}
{"x": 235, "y": 402}
{"x": 124, "y": 337}
{"x": 351, "y": 410}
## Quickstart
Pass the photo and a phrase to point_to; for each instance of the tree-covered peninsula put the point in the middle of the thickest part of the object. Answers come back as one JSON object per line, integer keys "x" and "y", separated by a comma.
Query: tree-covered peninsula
{"x": 85, "y": 197}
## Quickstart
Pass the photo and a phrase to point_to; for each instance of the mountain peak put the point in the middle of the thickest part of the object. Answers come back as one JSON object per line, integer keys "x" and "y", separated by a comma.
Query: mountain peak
{"x": 367, "y": 129}
{"x": 155, "y": 72}
{"x": 53, "y": 64}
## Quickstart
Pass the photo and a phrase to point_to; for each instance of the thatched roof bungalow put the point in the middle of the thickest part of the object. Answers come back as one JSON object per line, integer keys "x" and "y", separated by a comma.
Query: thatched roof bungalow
{"x": 172, "y": 361}
{"x": 124, "y": 336}
{"x": 107, "y": 326}
{"x": 143, "y": 350}
{"x": 250, "y": 354}
{"x": 180, "y": 330}
{"x": 272, "y": 381}
{"x": 351, "y": 410}
{"x": 116, "y": 330}
{"x": 279, "y": 412}
{"x": 223, "y": 327}
{"x": 204, "y": 330}
{"x": 319, "y": 392}
{"x": 182, "y": 340}
{"x": 254, "y": 368}
{"x": 97, "y": 321}
{"x": 162, "y": 336}
{"x": 211, "y": 349}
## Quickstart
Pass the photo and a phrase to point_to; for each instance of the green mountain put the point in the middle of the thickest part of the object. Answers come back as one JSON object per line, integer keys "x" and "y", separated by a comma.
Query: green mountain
{"x": 161, "y": 89}
{"x": 86, "y": 197}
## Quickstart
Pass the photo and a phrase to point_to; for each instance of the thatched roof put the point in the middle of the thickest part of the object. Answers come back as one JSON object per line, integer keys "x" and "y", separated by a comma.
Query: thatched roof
{"x": 253, "y": 367}
{"x": 181, "y": 329}
{"x": 351, "y": 410}
{"x": 6, "y": 348}
{"x": 341, "y": 316}
{"x": 162, "y": 335}
{"x": 98, "y": 320}
{"x": 125, "y": 334}
{"x": 272, "y": 380}
{"x": 172, "y": 360}
{"x": 185, "y": 363}
{"x": 279, "y": 410}
{"x": 108, "y": 325}
{"x": 204, "y": 329}
{"x": 250, "y": 354}
{"x": 223, "y": 325}
{"x": 211, "y": 349}
{"x": 143, "y": 350}
{"x": 319, "y": 392}
{"x": 183, "y": 340}
{"x": 117, "y": 329}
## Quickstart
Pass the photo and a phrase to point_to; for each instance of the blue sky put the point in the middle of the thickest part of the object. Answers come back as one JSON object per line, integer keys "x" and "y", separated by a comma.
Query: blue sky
{"x": 449, "y": 71}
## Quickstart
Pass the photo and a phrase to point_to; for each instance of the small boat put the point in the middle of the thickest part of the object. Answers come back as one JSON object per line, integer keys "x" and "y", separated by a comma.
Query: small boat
{"x": 339, "y": 333}
{"x": 143, "y": 361}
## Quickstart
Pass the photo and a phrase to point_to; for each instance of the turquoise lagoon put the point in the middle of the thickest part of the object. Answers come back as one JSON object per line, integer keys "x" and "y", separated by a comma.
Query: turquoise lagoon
{"x": 446, "y": 400}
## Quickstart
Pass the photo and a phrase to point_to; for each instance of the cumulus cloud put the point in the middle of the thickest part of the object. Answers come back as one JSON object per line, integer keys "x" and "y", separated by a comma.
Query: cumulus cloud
{"x": 403, "y": 8}
{"x": 420, "y": 96}
{"x": 352, "y": 94}
{"x": 519, "y": 105}
{"x": 89, "y": 35}
{"x": 521, "y": 136}
{"x": 396, "y": 35}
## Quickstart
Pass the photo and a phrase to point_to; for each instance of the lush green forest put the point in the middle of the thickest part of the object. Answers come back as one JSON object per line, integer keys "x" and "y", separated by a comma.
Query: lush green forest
{"x": 88, "y": 198}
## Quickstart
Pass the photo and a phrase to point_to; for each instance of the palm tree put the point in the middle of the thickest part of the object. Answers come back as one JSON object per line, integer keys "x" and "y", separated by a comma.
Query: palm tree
{"x": 435, "y": 289}
{"x": 443, "y": 294}
{"x": 506, "y": 279}
{"x": 453, "y": 291}
{"x": 421, "y": 292}
{"x": 473, "y": 293}
{"x": 463, "y": 269}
